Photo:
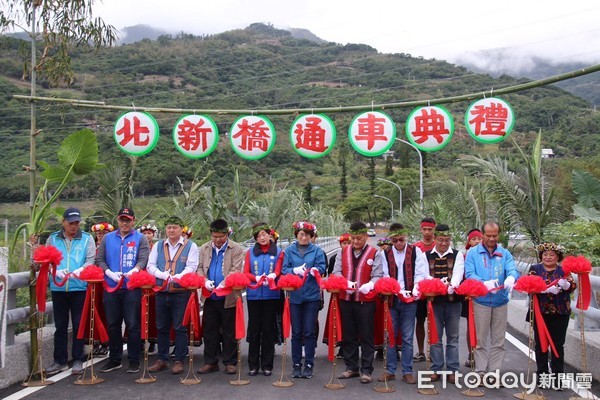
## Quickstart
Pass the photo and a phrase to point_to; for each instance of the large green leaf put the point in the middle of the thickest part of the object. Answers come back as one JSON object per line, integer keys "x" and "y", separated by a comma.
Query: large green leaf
{"x": 589, "y": 214}
{"x": 52, "y": 174}
{"x": 79, "y": 152}
{"x": 586, "y": 188}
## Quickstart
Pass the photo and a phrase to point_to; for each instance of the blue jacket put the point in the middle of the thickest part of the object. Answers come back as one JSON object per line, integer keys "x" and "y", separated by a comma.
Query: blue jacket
{"x": 314, "y": 257}
{"x": 263, "y": 263}
{"x": 479, "y": 264}
{"x": 121, "y": 254}
{"x": 73, "y": 258}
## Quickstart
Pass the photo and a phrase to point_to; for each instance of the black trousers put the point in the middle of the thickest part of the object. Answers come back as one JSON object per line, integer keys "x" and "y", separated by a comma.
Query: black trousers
{"x": 219, "y": 322}
{"x": 261, "y": 333}
{"x": 557, "y": 326}
{"x": 358, "y": 322}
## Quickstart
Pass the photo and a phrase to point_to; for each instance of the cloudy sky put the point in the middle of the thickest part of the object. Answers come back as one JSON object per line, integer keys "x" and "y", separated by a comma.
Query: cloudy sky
{"x": 558, "y": 30}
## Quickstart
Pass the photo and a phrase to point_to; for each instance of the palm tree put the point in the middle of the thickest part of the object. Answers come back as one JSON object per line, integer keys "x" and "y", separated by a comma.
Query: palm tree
{"x": 522, "y": 200}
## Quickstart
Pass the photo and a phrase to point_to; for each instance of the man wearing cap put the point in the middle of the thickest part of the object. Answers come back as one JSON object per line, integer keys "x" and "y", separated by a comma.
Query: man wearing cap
{"x": 78, "y": 250}
{"x": 169, "y": 260}
{"x": 408, "y": 265}
{"x": 494, "y": 265}
{"x": 360, "y": 264}
{"x": 448, "y": 265}
{"x": 120, "y": 254}
{"x": 426, "y": 243}
{"x": 217, "y": 259}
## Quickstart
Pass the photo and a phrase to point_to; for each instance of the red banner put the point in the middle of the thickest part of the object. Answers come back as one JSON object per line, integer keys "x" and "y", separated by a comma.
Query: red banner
{"x": 433, "y": 333}
{"x": 335, "y": 326}
{"x": 544, "y": 335}
{"x": 192, "y": 315}
{"x": 240, "y": 330}
{"x": 88, "y": 305}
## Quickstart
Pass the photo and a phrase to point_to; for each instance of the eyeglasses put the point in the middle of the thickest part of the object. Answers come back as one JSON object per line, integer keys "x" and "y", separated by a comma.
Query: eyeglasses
{"x": 124, "y": 220}
{"x": 445, "y": 241}
{"x": 398, "y": 240}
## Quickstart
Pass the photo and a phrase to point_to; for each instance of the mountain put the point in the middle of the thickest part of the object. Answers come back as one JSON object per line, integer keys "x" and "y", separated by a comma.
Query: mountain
{"x": 510, "y": 61}
{"x": 305, "y": 34}
{"x": 132, "y": 34}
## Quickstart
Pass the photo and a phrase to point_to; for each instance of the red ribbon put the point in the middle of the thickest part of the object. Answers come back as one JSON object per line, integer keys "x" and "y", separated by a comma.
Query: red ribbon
{"x": 112, "y": 290}
{"x": 286, "y": 318}
{"x": 471, "y": 325}
{"x": 41, "y": 286}
{"x": 389, "y": 324}
{"x": 145, "y": 301}
{"x": 240, "y": 330}
{"x": 192, "y": 314}
{"x": 583, "y": 302}
{"x": 85, "y": 316}
{"x": 335, "y": 326}
{"x": 317, "y": 276}
{"x": 433, "y": 333}
{"x": 160, "y": 288}
{"x": 60, "y": 284}
{"x": 544, "y": 335}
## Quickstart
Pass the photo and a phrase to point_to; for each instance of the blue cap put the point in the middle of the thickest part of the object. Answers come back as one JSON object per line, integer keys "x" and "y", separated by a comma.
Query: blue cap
{"x": 72, "y": 214}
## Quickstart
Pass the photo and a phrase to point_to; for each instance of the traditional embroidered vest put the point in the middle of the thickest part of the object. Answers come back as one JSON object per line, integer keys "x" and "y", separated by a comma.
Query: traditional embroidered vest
{"x": 441, "y": 268}
{"x": 263, "y": 263}
{"x": 174, "y": 266}
{"x": 357, "y": 269}
{"x": 408, "y": 272}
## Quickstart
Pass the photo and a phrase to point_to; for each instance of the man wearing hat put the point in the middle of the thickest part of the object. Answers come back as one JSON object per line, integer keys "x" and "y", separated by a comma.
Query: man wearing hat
{"x": 217, "y": 259}
{"x": 120, "y": 254}
{"x": 78, "y": 250}
{"x": 169, "y": 260}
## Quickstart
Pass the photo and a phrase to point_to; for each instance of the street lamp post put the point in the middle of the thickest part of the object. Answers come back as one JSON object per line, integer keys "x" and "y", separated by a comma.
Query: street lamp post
{"x": 399, "y": 189}
{"x": 391, "y": 203}
{"x": 420, "y": 170}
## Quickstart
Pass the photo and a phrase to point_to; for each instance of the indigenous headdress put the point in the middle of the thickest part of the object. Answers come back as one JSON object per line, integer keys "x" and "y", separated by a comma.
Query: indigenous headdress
{"x": 427, "y": 224}
{"x": 398, "y": 232}
{"x": 549, "y": 246}
{"x": 304, "y": 226}
{"x": 148, "y": 227}
{"x": 188, "y": 231}
{"x": 102, "y": 226}
{"x": 344, "y": 237}
{"x": 384, "y": 241}
{"x": 265, "y": 227}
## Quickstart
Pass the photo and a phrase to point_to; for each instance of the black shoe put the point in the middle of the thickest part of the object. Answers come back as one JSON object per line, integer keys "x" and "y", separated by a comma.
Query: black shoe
{"x": 134, "y": 367}
{"x": 297, "y": 371}
{"x": 307, "y": 372}
{"x": 111, "y": 365}
{"x": 267, "y": 372}
{"x": 253, "y": 372}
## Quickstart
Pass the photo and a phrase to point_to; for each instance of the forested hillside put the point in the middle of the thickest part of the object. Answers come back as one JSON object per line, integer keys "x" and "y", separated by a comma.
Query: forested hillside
{"x": 262, "y": 67}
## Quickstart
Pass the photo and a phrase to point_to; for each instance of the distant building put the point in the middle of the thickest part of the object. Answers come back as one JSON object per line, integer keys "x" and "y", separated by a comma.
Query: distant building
{"x": 547, "y": 153}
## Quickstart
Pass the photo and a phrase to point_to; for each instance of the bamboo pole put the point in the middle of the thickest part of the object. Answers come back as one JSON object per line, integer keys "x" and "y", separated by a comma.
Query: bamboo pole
{"x": 367, "y": 107}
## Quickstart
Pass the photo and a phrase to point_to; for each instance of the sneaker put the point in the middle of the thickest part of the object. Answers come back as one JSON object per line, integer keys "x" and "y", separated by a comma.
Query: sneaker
{"x": 297, "y": 371}
{"x": 55, "y": 368}
{"x": 152, "y": 349}
{"x": 110, "y": 365}
{"x": 307, "y": 372}
{"x": 134, "y": 367}
{"x": 77, "y": 368}
{"x": 419, "y": 357}
{"x": 469, "y": 363}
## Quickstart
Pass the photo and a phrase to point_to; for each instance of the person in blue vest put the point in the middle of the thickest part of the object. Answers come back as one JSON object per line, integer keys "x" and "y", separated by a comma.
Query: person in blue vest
{"x": 408, "y": 265}
{"x": 121, "y": 253}
{"x": 78, "y": 250}
{"x": 217, "y": 259}
{"x": 300, "y": 256}
{"x": 170, "y": 259}
{"x": 263, "y": 260}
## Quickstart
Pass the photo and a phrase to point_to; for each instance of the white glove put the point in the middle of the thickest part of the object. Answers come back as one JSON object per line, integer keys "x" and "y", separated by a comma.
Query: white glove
{"x": 272, "y": 276}
{"x": 61, "y": 273}
{"x": 406, "y": 294}
{"x": 115, "y": 276}
{"x": 564, "y": 284}
{"x": 351, "y": 285}
{"x": 209, "y": 285}
{"x": 415, "y": 291}
{"x": 450, "y": 289}
{"x": 552, "y": 290}
{"x": 178, "y": 276}
{"x": 366, "y": 287}
{"x": 221, "y": 285}
{"x": 314, "y": 271}
{"x": 257, "y": 277}
{"x": 491, "y": 284}
{"x": 131, "y": 272}
{"x": 444, "y": 280}
{"x": 162, "y": 274}
{"x": 77, "y": 271}
{"x": 300, "y": 270}
{"x": 509, "y": 283}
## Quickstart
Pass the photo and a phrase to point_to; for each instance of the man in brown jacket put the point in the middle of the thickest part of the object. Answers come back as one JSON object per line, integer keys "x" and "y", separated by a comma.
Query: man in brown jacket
{"x": 217, "y": 259}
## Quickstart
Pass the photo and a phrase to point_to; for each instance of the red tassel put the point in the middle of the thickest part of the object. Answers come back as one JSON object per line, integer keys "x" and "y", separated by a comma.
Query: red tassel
{"x": 586, "y": 292}
{"x": 85, "y": 314}
{"x": 433, "y": 333}
{"x": 544, "y": 335}
{"x": 41, "y": 286}
{"x": 335, "y": 326}
{"x": 192, "y": 315}
{"x": 471, "y": 325}
{"x": 286, "y": 318}
{"x": 144, "y": 315}
{"x": 84, "y": 322}
{"x": 390, "y": 324}
{"x": 240, "y": 330}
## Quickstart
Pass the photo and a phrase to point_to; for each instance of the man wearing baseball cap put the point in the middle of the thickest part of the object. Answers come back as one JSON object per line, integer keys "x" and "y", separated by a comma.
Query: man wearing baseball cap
{"x": 123, "y": 252}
